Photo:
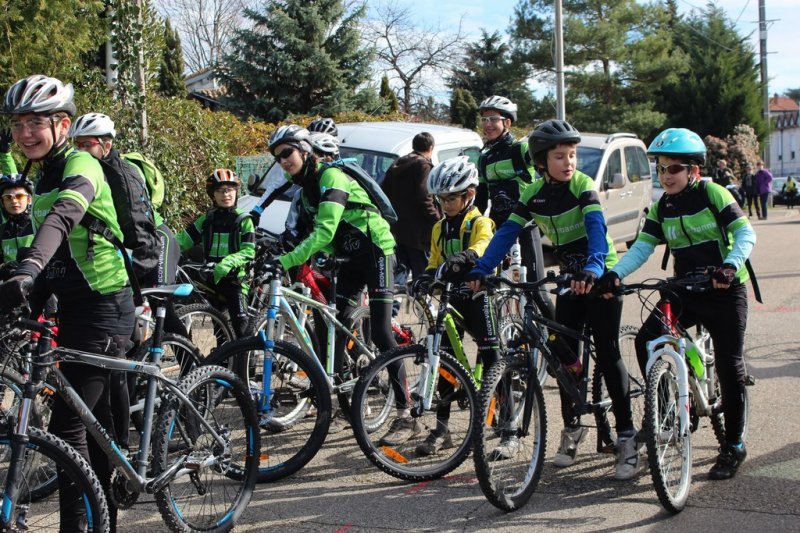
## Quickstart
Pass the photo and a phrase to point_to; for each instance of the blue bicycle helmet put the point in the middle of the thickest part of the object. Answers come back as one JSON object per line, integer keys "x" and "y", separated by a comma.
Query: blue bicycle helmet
{"x": 679, "y": 143}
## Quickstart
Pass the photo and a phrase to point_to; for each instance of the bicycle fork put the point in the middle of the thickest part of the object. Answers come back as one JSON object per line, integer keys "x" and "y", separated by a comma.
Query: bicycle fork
{"x": 664, "y": 348}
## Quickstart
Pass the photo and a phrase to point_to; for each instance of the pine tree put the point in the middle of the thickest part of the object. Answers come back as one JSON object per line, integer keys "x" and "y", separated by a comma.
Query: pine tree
{"x": 721, "y": 87}
{"x": 298, "y": 57}
{"x": 464, "y": 109}
{"x": 170, "y": 75}
{"x": 388, "y": 96}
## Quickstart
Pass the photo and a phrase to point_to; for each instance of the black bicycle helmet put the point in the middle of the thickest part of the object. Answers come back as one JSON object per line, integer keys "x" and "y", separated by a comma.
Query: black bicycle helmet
{"x": 324, "y": 125}
{"x": 8, "y": 181}
{"x": 551, "y": 133}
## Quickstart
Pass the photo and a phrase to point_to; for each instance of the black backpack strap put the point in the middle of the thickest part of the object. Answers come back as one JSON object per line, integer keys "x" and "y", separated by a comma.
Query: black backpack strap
{"x": 96, "y": 226}
{"x": 520, "y": 168}
{"x": 208, "y": 232}
{"x": 274, "y": 194}
{"x": 468, "y": 233}
{"x": 482, "y": 165}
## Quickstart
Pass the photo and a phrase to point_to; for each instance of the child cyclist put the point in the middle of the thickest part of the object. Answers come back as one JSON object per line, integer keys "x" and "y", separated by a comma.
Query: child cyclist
{"x": 228, "y": 238}
{"x": 17, "y": 229}
{"x": 684, "y": 218}
{"x": 456, "y": 243}
{"x": 565, "y": 205}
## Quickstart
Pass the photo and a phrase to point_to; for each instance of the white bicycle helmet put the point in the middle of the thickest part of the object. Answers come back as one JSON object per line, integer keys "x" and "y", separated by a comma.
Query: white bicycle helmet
{"x": 324, "y": 125}
{"x": 292, "y": 135}
{"x": 452, "y": 175}
{"x": 39, "y": 94}
{"x": 92, "y": 125}
{"x": 502, "y": 105}
{"x": 324, "y": 143}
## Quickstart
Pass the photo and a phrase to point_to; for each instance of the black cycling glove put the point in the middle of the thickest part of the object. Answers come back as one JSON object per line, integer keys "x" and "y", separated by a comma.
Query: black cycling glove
{"x": 14, "y": 291}
{"x": 421, "y": 284}
{"x": 725, "y": 274}
{"x": 608, "y": 283}
{"x": 5, "y": 140}
{"x": 458, "y": 265}
{"x": 584, "y": 275}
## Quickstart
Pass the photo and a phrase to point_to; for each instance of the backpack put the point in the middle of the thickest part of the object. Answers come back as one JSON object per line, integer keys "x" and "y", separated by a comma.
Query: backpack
{"x": 152, "y": 176}
{"x": 713, "y": 208}
{"x": 382, "y": 204}
{"x": 517, "y": 160}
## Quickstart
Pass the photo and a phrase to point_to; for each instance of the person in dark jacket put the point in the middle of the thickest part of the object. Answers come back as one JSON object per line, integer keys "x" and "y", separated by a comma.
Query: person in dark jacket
{"x": 406, "y": 187}
{"x": 749, "y": 192}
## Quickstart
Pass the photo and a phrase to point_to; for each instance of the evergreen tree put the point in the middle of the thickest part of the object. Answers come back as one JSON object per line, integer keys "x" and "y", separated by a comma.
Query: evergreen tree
{"x": 170, "y": 75}
{"x": 49, "y": 38}
{"x": 388, "y": 96}
{"x": 617, "y": 54}
{"x": 488, "y": 69}
{"x": 721, "y": 87}
{"x": 298, "y": 57}
{"x": 464, "y": 109}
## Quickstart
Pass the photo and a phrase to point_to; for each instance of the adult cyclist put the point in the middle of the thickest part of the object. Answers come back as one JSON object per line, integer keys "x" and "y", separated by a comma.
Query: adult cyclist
{"x": 83, "y": 269}
{"x": 504, "y": 171}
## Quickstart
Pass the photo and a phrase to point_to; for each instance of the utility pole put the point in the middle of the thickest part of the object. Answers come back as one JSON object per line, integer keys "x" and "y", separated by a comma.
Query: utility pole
{"x": 111, "y": 62}
{"x": 762, "y": 34}
{"x": 560, "y": 106}
{"x": 140, "y": 73}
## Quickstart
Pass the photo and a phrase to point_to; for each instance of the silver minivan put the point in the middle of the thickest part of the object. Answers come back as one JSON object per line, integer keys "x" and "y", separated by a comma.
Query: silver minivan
{"x": 375, "y": 146}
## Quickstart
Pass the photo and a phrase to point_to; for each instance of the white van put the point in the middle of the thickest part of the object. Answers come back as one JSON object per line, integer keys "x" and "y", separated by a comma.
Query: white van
{"x": 375, "y": 146}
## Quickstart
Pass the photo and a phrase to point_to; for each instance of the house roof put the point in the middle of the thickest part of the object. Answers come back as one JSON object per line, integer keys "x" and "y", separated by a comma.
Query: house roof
{"x": 780, "y": 104}
{"x": 787, "y": 120}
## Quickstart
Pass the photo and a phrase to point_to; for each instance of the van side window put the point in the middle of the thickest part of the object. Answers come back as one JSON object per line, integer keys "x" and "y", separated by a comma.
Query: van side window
{"x": 613, "y": 166}
{"x": 471, "y": 151}
{"x": 637, "y": 164}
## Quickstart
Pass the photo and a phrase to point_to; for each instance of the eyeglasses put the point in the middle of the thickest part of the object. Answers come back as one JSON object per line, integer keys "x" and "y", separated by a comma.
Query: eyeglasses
{"x": 671, "y": 169}
{"x": 225, "y": 190}
{"x": 450, "y": 197}
{"x": 85, "y": 145}
{"x": 34, "y": 124}
{"x": 493, "y": 118}
{"x": 285, "y": 154}
{"x": 18, "y": 196}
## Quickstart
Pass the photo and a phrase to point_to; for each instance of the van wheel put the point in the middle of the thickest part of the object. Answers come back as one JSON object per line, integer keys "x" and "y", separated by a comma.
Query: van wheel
{"x": 639, "y": 228}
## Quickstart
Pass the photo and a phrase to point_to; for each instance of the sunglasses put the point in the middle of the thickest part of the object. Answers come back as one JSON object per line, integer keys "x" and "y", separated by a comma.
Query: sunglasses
{"x": 225, "y": 190}
{"x": 85, "y": 145}
{"x": 285, "y": 154}
{"x": 450, "y": 197}
{"x": 18, "y": 196}
{"x": 493, "y": 118}
{"x": 671, "y": 169}
{"x": 34, "y": 124}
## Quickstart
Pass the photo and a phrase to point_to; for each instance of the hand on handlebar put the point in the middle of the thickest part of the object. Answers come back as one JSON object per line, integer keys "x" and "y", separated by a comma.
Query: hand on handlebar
{"x": 582, "y": 282}
{"x": 475, "y": 280}
{"x": 723, "y": 276}
{"x": 608, "y": 285}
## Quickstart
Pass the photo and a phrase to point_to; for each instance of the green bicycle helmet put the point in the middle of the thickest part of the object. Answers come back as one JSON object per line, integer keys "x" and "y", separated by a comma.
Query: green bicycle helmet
{"x": 679, "y": 143}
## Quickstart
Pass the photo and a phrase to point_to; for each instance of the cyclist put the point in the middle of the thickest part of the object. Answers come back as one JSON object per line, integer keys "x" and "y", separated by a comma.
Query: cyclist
{"x": 17, "y": 229}
{"x": 456, "y": 243}
{"x": 685, "y": 220}
{"x": 567, "y": 208}
{"x": 227, "y": 236}
{"x": 7, "y": 164}
{"x": 504, "y": 171}
{"x": 346, "y": 225}
{"x": 83, "y": 269}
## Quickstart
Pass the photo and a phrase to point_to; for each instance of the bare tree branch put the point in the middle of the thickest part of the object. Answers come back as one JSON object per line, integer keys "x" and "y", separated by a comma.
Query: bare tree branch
{"x": 411, "y": 53}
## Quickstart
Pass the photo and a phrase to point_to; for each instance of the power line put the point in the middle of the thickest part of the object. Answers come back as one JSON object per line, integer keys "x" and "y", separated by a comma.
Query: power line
{"x": 741, "y": 12}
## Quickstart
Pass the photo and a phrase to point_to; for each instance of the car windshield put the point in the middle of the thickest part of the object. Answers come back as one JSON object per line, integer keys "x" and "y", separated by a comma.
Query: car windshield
{"x": 375, "y": 163}
{"x": 589, "y": 160}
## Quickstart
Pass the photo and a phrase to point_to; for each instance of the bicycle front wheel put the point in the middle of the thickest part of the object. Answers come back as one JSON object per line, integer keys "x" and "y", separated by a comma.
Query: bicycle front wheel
{"x": 215, "y": 482}
{"x": 512, "y": 434}
{"x": 207, "y": 327}
{"x": 434, "y": 441}
{"x": 81, "y": 504}
{"x": 669, "y": 450}
{"x": 294, "y": 409}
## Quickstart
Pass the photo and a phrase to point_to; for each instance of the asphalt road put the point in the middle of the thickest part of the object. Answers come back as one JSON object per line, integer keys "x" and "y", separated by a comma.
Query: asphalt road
{"x": 341, "y": 491}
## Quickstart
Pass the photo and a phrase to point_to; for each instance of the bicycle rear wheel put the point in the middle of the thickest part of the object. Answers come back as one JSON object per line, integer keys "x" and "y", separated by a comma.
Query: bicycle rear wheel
{"x": 294, "y": 424}
{"x": 509, "y": 454}
{"x": 512, "y": 339}
{"x": 84, "y": 496}
{"x": 207, "y": 327}
{"x": 669, "y": 450}
{"x": 215, "y": 483}
{"x": 455, "y": 396}
{"x": 410, "y": 315}
{"x": 604, "y": 416}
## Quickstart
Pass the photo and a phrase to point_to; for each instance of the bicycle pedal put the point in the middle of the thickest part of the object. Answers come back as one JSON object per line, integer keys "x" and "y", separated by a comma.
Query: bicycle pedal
{"x": 750, "y": 381}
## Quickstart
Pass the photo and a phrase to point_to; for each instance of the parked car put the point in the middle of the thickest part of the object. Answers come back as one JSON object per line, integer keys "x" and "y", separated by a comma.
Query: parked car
{"x": 623, "y": 179}
{"x": 375, "y": 146}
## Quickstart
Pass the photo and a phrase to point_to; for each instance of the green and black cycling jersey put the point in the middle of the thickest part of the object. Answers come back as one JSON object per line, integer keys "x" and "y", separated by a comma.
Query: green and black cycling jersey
{"x": 504, "y": 171}
{"x": 69, "y": 185}
{"x": 341, "y": 225}
{"x": 16, "y": 232}
{"x": 691, "y": 230}
{"x": 227, "y": 237}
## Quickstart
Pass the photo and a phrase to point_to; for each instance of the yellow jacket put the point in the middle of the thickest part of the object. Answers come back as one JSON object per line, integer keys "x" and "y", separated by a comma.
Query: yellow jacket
{"x": 480, "y": 230}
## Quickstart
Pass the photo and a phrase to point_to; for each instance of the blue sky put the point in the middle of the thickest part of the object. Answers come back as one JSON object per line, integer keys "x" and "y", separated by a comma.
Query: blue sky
{"x": 783, "y": 61}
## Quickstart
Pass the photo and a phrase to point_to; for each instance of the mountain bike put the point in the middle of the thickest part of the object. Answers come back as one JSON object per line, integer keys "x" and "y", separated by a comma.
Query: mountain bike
{"x": 440, "y": 389}
{"x": 511, "y": 420}
{"x": 682, "y": 387}
{"x": 199, "y": 455}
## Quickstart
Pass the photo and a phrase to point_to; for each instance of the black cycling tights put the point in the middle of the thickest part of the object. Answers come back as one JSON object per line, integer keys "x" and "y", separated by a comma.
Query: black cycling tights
{"x": 603, "y": 317}
{"x": 724, "y": 315}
